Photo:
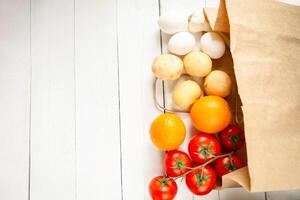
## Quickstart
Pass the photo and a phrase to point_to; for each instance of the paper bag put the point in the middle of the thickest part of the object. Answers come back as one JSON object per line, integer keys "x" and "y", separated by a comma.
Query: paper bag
{"x": 265, "y": 47}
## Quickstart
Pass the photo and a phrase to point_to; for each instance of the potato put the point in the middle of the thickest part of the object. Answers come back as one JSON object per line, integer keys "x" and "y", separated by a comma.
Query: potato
{"x": 217, "y": 83}
{"x": 167, "y": 67}
{"x": 186, "y": 93}
{"x": 197, "y": 64}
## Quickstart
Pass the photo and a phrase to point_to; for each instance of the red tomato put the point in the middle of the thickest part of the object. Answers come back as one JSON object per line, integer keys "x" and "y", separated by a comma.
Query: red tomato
{"x": 201, "y": 181}
{"x": 203, "y": 147}
{"x": 228, "y": 164}
{"x": 162, "y": 188}
{"x": 176, "y": 163}
{"x": 232, "y": 137}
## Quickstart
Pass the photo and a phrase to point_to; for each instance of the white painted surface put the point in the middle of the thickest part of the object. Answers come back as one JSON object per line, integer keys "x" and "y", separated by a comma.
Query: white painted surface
{"x": 14, "y": 98}
{"x": 91, "y": 100}
{"x": 240, "y": 193}
{"x": 141, "y": 161}
{"x": 52, "y": 100}
{"x": 280, "y": 195}
{"x": 97, "y": 109}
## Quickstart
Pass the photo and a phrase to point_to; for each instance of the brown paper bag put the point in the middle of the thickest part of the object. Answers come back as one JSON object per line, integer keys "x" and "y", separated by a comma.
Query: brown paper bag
{"x": 265, "y": 47}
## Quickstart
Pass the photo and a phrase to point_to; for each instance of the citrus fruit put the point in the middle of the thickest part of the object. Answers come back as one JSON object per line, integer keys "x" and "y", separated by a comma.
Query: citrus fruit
{"x": 210, "y": 114}
{"x": 167, "y": 131}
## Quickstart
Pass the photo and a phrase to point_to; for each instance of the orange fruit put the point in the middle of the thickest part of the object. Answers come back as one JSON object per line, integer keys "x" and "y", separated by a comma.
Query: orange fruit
{"x": 210, "y": 114}
{"x": 167, "y": 131}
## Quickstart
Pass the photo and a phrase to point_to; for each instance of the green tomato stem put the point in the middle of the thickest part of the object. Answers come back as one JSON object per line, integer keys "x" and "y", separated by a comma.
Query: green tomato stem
{"x": 203, "y": 165}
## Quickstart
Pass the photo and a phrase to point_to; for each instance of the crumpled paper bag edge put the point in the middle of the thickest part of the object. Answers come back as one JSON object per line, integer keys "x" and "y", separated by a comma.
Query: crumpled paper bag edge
{"x": 218, "y": 17}
{"x": 219, "y": 21}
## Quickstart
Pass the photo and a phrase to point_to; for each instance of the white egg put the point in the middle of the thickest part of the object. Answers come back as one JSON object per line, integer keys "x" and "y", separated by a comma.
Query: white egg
{"x": 213, "y": 45}
{"x": 197, "y": 22}
{"x": 181, "y": 43}
{"x": 171, "y": 23}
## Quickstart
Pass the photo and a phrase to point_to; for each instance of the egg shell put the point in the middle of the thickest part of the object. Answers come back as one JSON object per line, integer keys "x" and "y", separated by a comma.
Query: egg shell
{"x": 171, "y": 23}
{"x": 181, "y": 43}
{"x": 217, "y": 83}
{"x": 167, "y": 67}
{"x": 213, "y": 45}
{"x": 197, "y": 64}
{"x": 186, "y": 93}
{"x": 197, "y": 22}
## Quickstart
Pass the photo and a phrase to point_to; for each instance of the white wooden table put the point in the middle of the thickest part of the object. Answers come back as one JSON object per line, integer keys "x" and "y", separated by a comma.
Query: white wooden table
{"x": 76, "y": 100}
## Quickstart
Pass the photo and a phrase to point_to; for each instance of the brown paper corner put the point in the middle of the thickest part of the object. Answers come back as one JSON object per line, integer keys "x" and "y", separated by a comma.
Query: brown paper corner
{"x": 218, "y": 18}
{"x": 239, "y": 177}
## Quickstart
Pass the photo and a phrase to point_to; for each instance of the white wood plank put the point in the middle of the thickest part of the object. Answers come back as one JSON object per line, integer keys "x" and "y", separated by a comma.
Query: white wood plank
{"x": 52, "y": 124}
{"x": 15, "y": 98}
{"x": 97, "y": 117}
{"x": 211, "y": 3}
{"x": 139, "y": 43}
{"x": 239, "y": 193}
{"x": 279, "y": 195}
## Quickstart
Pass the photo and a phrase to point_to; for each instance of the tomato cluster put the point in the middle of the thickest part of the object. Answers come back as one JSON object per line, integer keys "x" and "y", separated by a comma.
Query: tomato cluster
{"x": 203, "y": 166}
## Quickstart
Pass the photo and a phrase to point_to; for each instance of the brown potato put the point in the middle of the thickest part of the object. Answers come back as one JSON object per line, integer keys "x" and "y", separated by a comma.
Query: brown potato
{"x": 167, "y": 67}
{"x": 217, "y": 83}
{"x": 186, "y": 93}
{"x": 197, "y": 64}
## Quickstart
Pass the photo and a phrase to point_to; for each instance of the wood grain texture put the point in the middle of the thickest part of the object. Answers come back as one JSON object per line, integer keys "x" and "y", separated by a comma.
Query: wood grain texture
{"x": 15, "y": 98}
{"x": 97, "y": 101}
{"x": 75, "y": 77}
{"x": 139, "y": 43}
{"x": 240, "y": 193}
{"x": 280, "y": 195}
{"x": 53, "y": 103}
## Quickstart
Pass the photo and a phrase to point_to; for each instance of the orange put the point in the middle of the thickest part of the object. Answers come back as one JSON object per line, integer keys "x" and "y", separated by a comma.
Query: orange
{"x": 167, "y": 131}
{"x": 210, "y": 114}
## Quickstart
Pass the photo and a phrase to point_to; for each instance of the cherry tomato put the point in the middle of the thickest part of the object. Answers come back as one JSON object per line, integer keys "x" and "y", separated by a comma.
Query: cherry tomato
{"x": 203, "y": 147}
{"x": 162, "y": 188}
{"x": 228, "y": 164}
{"x": 201, "y": 181}
{"x": 176, "y": 163}
{"x": 232, "y": 137}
